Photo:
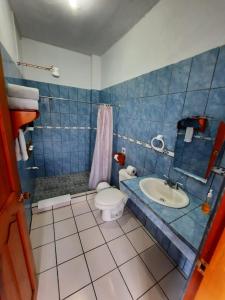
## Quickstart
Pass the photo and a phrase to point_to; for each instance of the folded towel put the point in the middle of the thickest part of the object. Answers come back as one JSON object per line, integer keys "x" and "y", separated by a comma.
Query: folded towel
{"x": 20, "y": 147}
{"x": 21, "y": 104}
{"x": 19, "y": 91}
{"x": 17, "y": 148}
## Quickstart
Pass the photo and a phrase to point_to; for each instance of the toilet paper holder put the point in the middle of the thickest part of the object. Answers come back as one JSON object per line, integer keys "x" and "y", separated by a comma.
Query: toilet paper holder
{"x": 159, "y": 138}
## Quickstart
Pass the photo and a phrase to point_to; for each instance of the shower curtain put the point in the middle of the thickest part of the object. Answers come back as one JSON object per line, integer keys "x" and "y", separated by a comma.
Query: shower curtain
{"x": 102, "y": 158}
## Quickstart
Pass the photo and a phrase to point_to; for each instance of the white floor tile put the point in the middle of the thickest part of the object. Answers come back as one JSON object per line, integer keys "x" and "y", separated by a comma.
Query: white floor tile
{"x": 99, "y": 261}
{"x": 137, "y": 277}
{"x": 44, "y": 257}
{"x": 121, "y": 249}
{"x": 41, "y": 219}
{"x": 41, "y": 236}
{"x": 85, "y": 221}
{"x": 98, "y": 216}
{"x": 86, "y": 293}
{"x": 62, "y": 213}
{"x": 48, "y": 285}
{"x": 65, "y": 228}
{"x": 128, "y": 222}
{"x": 73, "y": 275}
{"x": 78, "y": 199}
{"x": 111, "y": 230}
{"x": 80, "y": 208}
{"x": 173, "y": 285}
{"x": 92, "y": 204}
{"x": 68, "y": 248}
{"x": 140, "y": 240}
{"x": 154, "y": 293}
{"x": 157, "y": 262}
{"x": 91, "y": 238}
{"x": 111, "y": 287}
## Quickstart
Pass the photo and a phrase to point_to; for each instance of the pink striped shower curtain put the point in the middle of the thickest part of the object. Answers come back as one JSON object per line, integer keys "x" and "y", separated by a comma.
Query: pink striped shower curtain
{"x": 102, "y": 158}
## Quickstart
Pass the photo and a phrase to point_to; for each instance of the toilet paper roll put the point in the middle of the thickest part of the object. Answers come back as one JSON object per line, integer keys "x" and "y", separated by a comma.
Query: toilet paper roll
{"x": 131, "y": 170}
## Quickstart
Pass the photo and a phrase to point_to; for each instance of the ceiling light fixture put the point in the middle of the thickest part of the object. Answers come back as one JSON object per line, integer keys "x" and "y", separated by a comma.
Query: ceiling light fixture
{"x": 73, "y": 4}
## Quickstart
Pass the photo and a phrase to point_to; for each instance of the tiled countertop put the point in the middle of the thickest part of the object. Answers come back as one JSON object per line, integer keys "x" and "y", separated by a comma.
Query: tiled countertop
{"x": 187, "y": 223}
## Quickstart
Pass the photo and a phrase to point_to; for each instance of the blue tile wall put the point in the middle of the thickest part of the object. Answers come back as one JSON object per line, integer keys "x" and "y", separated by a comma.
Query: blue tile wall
{"x": 59, "y": 148}
{"x": 153, "y": 103}
{"x": 148, "y": 105}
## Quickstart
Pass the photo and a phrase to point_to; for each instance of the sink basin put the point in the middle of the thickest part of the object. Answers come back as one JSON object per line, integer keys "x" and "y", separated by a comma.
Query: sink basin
{"x": 158, "y": 191}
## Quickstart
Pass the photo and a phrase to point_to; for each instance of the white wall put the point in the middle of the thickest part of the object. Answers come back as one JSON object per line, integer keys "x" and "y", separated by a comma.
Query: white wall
{"x": 75, "y": 68}
{"x": 173, "y": 30}
{"x": 96, "y": 72}
{"x": 9, "y": 36}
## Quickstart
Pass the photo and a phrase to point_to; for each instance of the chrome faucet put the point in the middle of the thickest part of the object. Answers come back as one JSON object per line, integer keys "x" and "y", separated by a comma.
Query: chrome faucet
{"x": 171, "y": 184}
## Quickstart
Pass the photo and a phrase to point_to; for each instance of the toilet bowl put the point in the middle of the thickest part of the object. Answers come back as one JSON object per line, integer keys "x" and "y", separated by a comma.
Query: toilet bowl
{"x": 110, "y": 200}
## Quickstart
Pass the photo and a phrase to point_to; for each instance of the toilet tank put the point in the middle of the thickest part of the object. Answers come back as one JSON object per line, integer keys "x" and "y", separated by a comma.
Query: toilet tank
{"x": 124, "y": 176}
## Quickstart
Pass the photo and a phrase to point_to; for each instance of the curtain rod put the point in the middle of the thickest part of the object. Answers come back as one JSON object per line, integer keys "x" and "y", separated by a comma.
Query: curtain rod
{"x": 67, "y": 99}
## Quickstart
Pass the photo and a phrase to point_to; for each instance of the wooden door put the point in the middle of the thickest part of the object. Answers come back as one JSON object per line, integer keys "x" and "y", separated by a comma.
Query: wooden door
{"x": 207, "y": 281}
{"x": 213, "y": 283}
{"x": 17, "y": 276}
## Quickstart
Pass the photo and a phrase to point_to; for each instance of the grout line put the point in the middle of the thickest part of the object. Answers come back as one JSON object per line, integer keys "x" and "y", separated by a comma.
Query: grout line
{"x": 106, "y": 243}
{"x": 139, "y": 255}
{"x": 83, "y": 252}
{"x": 210, "y": 87}
{"x": 117, "y": 267}
{"x": 56, "y": 255}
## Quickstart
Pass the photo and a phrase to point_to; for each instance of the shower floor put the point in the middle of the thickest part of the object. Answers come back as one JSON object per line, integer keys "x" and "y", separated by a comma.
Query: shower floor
{"x": 48, "y": 187}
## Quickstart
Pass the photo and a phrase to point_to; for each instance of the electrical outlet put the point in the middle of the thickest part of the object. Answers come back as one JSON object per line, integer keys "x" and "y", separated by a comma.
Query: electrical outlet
{"x": 123, "y": 150}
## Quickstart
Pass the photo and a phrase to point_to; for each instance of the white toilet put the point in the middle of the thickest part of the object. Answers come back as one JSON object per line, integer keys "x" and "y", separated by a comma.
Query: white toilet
{"x": 111, "y": 201}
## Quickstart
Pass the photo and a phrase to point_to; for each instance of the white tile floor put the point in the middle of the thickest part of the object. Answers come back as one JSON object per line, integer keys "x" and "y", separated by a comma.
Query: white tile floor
{"x": 79, "y": 257}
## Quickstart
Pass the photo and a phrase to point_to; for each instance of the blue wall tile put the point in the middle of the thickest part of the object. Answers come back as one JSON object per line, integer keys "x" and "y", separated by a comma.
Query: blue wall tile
{"x": 162, "y": 81}
{"x": 219, "y": 78}
{"x": 216, "y": 104}
{"x": 195, "y": 103}
{"x": 64, "y": 92}
{"x": 180, "y": 75}
{"x": 55, "y": 119}
{"x": 174, "y": 106}
{"x": 64, "y": 106}
{"x": 202, "y": 69}
{"x": 54, "y": 90}
{"x": 55, "y": 105}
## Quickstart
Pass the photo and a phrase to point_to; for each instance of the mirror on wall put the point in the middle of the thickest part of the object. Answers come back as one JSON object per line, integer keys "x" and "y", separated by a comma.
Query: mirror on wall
{"x": 197, "y": 146}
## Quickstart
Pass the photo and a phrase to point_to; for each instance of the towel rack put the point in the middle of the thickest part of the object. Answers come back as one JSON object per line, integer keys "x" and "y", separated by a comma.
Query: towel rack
{"x": 20, "y": 118}
{"x": 86, "y": 102}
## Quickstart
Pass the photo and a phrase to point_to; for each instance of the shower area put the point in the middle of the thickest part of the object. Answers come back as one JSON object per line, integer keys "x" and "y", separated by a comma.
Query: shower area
{"x": 63, "y": 139}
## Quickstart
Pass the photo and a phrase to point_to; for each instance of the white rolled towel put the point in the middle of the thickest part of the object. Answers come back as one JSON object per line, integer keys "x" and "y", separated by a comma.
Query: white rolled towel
{"x": 20, "y": 147}
{"x": 23, "y": 146}
{"x": 22, "y": 104}
{"x": 131, "y": 170}
{"x": 24, "y": 92}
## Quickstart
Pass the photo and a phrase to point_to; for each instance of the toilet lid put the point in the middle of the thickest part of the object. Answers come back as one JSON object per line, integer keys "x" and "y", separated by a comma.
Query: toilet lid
{"x": 111, "y": 196}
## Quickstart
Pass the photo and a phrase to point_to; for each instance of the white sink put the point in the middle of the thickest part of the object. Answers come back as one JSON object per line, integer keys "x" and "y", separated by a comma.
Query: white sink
{"x": 158, "y": 191}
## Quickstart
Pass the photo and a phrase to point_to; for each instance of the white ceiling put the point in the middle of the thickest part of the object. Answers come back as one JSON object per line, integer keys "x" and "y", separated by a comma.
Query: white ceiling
{"x": 92, "y": 29}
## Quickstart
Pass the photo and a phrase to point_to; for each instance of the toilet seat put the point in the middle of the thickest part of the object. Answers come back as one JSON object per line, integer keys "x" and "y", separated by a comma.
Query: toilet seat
{"x": 109, "y": 197}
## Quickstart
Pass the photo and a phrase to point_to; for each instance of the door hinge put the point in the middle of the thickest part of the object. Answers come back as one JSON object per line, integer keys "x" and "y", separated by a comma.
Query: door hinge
{"x": 201, "y": 266}
{"x": 24, "y": 196}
